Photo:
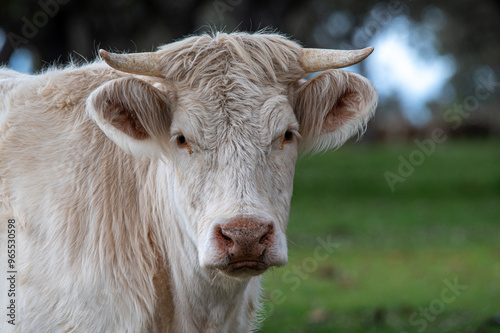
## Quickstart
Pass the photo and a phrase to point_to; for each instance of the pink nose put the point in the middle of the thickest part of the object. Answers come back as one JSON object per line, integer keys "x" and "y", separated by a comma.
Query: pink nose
{"x": 245, "y": 239}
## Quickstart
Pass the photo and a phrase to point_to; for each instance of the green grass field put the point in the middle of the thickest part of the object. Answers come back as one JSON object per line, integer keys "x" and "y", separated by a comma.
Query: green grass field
{"x": 422, "y": 258}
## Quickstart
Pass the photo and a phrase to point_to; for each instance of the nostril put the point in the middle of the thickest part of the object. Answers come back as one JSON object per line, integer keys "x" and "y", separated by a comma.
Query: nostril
{"x": 263, "y": 255}
{"x": 267, "y": 237}
{"x": 225, "y": 239}
{"x": 263, "y": 239}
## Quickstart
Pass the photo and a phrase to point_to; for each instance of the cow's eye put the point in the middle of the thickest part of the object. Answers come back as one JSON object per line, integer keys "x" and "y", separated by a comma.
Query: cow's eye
{"x": 288, "y": 136}
{"x": 183, "y": 143}
{"x": 181, "y": 140}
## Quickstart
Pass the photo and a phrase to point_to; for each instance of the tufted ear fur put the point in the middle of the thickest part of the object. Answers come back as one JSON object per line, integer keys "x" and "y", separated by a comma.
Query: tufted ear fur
{"x": 331, "y": 107}
{"x": 133, "y": 113}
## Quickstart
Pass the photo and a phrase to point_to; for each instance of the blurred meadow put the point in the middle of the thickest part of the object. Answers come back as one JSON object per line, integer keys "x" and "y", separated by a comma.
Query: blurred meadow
{"x": 394, "y": 253}
{"x": 398, "y": 232}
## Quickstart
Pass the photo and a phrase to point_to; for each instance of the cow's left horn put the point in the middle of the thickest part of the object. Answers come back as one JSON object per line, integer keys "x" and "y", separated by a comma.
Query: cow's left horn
{"x": 314, "y": 60}
{"x": 146, "y": 63}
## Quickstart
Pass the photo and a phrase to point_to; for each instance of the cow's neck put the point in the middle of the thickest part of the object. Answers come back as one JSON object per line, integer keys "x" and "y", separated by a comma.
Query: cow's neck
{"x": 200, "y": 301}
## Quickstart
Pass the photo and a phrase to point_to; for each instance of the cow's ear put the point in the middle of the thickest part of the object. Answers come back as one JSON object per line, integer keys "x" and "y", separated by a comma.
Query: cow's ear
{"x": 133, "y": 113}
{"x": 331, "y": 107}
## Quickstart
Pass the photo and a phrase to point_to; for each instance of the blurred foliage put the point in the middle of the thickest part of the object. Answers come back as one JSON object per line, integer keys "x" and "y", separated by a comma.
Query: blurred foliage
{"x": 472, "y": 32}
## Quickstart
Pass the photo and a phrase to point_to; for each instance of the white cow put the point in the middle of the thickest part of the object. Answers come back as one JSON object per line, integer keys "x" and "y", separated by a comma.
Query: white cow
{"x": 150, "y": 193}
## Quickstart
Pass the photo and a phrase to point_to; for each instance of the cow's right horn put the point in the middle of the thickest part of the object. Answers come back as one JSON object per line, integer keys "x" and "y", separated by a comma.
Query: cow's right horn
{"x": 146, "y": 63}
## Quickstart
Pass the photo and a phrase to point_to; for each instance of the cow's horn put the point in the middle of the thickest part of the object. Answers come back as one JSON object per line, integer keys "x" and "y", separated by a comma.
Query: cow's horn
{"x": 136, "y": 63}
{"x": 314, "y": 60}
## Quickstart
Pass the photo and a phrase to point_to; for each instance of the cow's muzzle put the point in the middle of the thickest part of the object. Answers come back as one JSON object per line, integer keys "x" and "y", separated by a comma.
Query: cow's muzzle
{"x": 244, "y": 243}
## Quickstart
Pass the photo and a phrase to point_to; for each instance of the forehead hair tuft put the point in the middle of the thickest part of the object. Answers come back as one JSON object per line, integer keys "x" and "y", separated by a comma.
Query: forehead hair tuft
{"x": 269, "y": 57}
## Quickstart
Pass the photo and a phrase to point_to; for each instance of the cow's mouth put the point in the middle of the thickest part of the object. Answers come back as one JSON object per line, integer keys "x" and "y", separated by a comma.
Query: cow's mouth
{"x": 246, "y": 267}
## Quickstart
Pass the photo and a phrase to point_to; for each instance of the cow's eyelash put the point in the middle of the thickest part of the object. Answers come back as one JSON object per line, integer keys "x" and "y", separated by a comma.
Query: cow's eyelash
{"x": 295, "y": 134}
{"x": 182, "y": 142}
{"x": 176, "y": 136}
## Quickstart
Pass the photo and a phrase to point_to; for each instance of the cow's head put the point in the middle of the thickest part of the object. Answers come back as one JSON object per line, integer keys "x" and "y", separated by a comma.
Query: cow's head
{"x": 227, "y": 115}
